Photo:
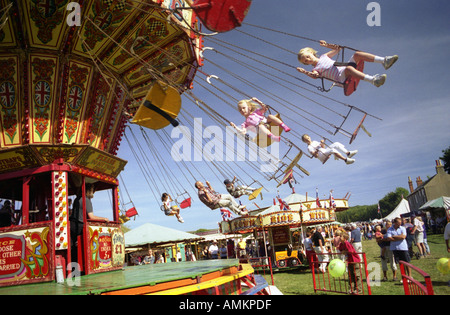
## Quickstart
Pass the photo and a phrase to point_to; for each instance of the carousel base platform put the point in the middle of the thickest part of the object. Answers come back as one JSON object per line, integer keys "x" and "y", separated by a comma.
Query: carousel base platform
{"x": 214, "y": 277}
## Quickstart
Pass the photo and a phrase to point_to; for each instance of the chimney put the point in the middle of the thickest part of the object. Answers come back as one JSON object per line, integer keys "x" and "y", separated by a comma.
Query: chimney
{"x": 411, "y": 188}
{"x": 439, "y": 167}
{"x": 419, "y": 181}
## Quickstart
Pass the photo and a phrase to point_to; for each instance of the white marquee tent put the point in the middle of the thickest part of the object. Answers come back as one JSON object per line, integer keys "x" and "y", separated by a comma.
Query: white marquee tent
{"x": 402, "y": 208}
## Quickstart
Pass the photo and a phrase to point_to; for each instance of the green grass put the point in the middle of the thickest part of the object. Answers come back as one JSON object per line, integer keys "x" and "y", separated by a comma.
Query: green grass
{"x": 299, "y": 281}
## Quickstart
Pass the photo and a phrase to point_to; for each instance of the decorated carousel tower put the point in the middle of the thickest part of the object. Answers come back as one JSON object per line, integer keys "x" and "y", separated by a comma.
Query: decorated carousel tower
{"x": 72, "y": 74}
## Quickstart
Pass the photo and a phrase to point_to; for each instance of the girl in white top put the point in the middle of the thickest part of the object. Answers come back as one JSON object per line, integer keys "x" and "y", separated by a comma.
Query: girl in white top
{"x": 318, "y": 150}
{"x": 168, "y": 209}
{"x": 324, "y": 66}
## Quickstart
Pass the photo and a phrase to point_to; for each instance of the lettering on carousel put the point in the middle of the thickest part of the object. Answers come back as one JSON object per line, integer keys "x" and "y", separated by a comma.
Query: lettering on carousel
{"x": 118, "y": 247}
{"x": 11, "y": 252}
{"x": 281, "y": 218}
{"x": 104, "y": 247}
{"x": 318, "y": 215}
{"x": 243, "y": 223}
{"x": 102, "y": 163}
{"x": 11, "y": 163}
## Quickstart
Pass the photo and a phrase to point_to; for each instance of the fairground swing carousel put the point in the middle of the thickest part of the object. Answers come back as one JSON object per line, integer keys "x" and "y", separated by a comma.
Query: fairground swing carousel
{"x": 72, "y": 74}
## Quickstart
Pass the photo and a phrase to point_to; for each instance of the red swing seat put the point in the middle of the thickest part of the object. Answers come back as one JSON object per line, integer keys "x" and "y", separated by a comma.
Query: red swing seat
{"x": 185, "y": 203}
{"x": 351, "y": 83}
{"x": 221, "y": 15}
{"x": 131, "y": 212}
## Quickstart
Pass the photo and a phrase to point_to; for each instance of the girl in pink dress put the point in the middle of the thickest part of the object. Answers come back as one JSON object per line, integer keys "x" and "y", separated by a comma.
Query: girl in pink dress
{"x": 253, "y": 110}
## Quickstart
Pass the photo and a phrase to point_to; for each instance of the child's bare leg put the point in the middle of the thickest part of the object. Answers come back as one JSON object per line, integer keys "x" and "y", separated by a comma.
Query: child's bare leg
{"x": 387, "y": 61}
{"x": 339, "y": 156}
{"x": 351, "y": 71}
{"x": 275, "y": 119}
{"x": 278, "y": 122}
{"x": 262, "y": 129}
{"x": 364, "y": 56}
{"x": 377, "y": 80}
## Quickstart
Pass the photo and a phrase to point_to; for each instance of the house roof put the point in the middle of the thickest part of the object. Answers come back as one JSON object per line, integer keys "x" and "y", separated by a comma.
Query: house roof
{"x": 153, "y": 234}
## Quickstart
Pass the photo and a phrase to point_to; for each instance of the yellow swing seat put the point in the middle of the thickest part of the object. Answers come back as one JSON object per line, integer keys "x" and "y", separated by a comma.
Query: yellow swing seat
{"x": 160, "y": 107}
{"x": 255, "y": 194}
{"x": 263, "y": 140}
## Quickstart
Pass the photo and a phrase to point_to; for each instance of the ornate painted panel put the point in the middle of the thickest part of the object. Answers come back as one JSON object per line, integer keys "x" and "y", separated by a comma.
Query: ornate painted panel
{"x": 10, "y": 100}
{"x": 42, "y": 94}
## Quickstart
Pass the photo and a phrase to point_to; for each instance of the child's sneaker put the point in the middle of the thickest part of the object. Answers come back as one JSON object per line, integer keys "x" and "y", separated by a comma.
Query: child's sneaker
{"x": 350, "y": 154}
{"x": 180, "y": 219}
{"x": 378, "y": 80}
{"x": 285, "y": 128}
{"x": 389, "y": 61}
{"x": 349, "y": 161}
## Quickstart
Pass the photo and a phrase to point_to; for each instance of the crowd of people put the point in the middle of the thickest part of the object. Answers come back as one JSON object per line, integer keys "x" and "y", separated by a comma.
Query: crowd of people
{"x": 399, "y": 239}
{"x": 213, "y": 250}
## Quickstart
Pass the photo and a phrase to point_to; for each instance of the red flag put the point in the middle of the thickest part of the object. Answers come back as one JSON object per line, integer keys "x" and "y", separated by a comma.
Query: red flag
{"x": 332, "y": 202}
{"x": 317, "y": 199}
{"x": 226, "y": 214}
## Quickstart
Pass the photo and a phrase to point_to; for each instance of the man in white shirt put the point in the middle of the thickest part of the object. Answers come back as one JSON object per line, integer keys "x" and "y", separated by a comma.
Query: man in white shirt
{"x": 214, "y": 250}
{"x": 396, "y": 234}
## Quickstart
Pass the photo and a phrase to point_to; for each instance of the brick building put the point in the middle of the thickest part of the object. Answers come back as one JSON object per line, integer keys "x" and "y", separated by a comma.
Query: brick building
{"x": 436, "y": 186}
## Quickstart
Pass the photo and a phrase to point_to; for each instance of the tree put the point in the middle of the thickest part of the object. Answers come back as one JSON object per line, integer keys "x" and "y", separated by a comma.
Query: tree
{"x": 446, "y": 159}
{"x": 391, "y": 200}
{"x": 368, "y": 212}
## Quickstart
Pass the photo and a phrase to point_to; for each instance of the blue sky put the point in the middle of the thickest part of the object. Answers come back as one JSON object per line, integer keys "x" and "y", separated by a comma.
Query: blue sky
{"x": 413, "y": 105}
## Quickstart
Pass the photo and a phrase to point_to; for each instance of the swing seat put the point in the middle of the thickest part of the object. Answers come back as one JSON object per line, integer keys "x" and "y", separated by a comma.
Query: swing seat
{"x": 131, "y": 212}
{"x": 255, "y": 194}
{"x": 185, "y": 203}
{"x": 351, "y": 83}
{"x": 294, "y": 162}
{"x": 286, "y": 177}
{"x": 263, "y": 140}
{"x": 221, "y": 15}
{"x": 123, "y": 218}
{"x": 357, "y": 129}
{"x": 160, "y": 107}
{"x": 163, "y": 209}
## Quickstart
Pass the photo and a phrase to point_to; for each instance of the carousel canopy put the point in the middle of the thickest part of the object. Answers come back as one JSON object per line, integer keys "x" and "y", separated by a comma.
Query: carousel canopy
{"x": 295, "y": 198}
{"x": 438, "y": 203}
{"x": 78, "y": 84}
{"x": 153, "y": 234}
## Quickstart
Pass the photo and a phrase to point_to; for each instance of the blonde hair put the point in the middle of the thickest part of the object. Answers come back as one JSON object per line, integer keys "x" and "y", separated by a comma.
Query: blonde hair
{"x": 345, "y": 236}
{"x": 250, "y": 104}
{"x": 305, "y": 50}
{"x": 304, "y": 137}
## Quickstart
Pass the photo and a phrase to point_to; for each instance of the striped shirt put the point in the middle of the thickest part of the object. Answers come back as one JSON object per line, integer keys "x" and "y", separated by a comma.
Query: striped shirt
{"x": 326, "y": 69}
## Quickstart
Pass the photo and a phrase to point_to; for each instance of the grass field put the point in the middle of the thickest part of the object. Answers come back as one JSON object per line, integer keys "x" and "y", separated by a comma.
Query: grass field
{"x": 299, "y": 281}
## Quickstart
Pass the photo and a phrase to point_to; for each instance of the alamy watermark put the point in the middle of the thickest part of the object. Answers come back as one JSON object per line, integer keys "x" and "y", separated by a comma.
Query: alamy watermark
{"x": 374, "y": 17}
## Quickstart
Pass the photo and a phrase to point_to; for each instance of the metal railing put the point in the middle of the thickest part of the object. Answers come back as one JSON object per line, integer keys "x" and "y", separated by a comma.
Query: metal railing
{"x": 412, "y": 286}
{"x": 355, "y": 279}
